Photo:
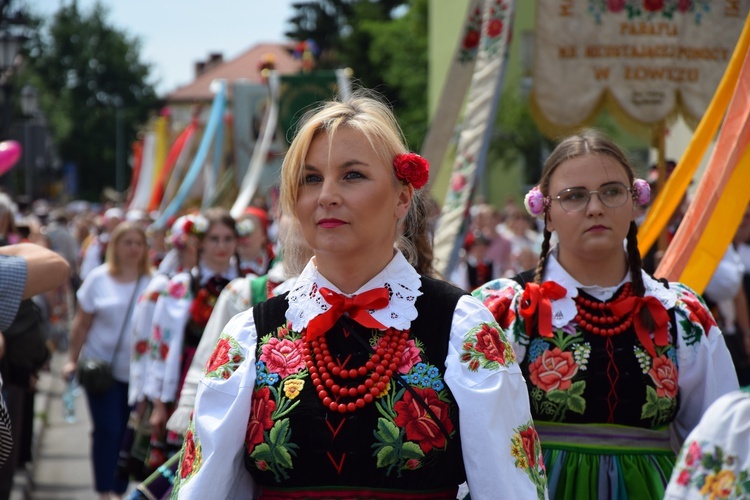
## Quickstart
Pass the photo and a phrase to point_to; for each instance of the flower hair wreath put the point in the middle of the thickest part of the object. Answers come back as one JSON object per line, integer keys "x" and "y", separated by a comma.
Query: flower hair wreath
{"x": 245, "y": 228}
{"x": 411, "y": 169}
{"x": 536, "y": 203}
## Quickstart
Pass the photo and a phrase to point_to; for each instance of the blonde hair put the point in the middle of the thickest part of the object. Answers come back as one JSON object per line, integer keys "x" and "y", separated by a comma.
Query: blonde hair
{"x": 373, "y": 119}
{"x": 144, "y": 265}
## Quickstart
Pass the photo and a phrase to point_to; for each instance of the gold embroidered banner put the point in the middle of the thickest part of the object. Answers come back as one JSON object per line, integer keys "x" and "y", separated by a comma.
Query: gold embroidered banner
{"x": 645, "y": 59}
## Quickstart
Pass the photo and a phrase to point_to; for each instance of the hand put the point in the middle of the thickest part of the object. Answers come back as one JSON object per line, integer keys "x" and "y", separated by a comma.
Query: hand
{"x": 158, "y": 418}
{"x": 69, "y": 370}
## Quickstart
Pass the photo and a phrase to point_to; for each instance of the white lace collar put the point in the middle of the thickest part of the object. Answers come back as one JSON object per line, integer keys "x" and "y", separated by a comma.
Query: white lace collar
{"x": 399, "y": 277}
{"x": 564, "y": 310}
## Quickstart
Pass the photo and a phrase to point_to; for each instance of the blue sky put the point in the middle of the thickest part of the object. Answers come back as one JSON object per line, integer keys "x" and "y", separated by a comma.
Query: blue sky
{"x": 176, "y": 33}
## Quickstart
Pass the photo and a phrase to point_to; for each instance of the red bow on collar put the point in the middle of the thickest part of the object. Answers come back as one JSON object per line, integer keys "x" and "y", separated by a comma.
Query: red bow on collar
{"x": 536, "y": 298}
{"x": 658, "y": 312}
{"x": 357, "y": 307}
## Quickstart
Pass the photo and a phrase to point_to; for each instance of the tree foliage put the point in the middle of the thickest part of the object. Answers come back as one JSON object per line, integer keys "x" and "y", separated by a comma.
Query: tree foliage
{"x": 90, "y": 80}
{"x": 384, "y": 42}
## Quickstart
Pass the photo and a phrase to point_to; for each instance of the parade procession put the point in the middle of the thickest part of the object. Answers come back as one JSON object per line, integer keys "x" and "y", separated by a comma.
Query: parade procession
{"x": 375, "y": 249}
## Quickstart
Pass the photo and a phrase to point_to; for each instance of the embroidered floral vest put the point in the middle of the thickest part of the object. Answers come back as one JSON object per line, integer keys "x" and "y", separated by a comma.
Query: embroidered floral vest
{"x": 580, "y": 377}
{"x": 392, "y": 443}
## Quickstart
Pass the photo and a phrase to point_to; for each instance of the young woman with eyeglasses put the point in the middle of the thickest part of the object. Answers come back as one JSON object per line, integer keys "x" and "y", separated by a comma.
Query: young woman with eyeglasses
{"x": 619, "y": 366}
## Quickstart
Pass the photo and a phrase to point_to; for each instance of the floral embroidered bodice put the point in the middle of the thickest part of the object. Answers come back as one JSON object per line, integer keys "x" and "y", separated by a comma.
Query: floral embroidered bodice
{"x": 258, "y": 405}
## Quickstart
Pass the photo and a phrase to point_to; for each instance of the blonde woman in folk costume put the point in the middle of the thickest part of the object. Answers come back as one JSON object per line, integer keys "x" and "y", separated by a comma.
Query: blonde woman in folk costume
{"x": 366, "y": 380}
{"x": 619, "y": 366}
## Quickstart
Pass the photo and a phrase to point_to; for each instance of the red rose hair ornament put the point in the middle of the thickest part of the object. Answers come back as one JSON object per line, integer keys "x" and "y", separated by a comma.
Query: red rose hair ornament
{"x": 412, "y": 169}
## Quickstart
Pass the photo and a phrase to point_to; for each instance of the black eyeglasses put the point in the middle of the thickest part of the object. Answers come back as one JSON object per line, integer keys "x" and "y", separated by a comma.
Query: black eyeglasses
{"x": 611, "y": 195}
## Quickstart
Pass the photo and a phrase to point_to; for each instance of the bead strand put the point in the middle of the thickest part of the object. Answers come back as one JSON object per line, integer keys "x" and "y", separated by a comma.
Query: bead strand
{"x": 378, "y": 369}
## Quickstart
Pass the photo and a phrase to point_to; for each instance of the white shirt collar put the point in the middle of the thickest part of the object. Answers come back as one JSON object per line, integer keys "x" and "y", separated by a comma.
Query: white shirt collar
{"x": 229, "y": 274}
{"x": 399, "y": 277}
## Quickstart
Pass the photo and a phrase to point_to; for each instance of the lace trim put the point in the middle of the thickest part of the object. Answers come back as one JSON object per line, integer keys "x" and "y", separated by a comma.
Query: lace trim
{"x": 399, "y": 277}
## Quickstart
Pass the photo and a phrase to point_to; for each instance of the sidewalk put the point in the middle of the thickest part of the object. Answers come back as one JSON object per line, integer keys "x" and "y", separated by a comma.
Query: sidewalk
{"x": 61, "y": 468}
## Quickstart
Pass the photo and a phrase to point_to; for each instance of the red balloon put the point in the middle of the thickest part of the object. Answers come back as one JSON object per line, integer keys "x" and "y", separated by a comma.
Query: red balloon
{"x": 10, "y": 152}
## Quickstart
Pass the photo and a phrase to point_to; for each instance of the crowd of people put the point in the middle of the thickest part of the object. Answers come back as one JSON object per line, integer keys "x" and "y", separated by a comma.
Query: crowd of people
{"x": 335, "y": 362}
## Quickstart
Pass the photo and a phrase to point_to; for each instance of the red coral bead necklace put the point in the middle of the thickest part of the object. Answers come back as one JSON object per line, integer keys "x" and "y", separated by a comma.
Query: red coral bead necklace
{"x": 329, "y": 377}
{"x": 597, "y": 317}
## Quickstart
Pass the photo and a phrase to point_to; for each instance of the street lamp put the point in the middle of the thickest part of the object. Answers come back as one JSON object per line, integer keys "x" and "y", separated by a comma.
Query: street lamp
{"x": 9, "y": 45}
{"x": 29, "y": 101}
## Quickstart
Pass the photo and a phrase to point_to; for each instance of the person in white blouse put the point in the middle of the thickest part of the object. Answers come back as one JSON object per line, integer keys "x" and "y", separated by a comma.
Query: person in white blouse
{"x": 100, "y": 331}
{"x": 619, "y": 366}
{"x": 182, "y": 312}
{"x": 367, "y": 379}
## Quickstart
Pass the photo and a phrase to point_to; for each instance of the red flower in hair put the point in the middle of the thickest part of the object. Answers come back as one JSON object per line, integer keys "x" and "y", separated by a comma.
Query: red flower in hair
{"x": 411, "y": 169}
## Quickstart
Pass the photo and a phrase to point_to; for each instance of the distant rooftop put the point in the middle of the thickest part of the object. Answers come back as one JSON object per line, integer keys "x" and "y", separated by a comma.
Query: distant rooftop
{"x": 243, "y": 67}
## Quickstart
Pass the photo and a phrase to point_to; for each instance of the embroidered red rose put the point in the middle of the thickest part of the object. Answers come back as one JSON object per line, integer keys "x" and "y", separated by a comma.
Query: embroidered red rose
{"x": 458, "y": 181}
{"x": 410, "y": 357}
{"x": 260, "y": 417}
{"x": 220, "y": 356}
{"x": 528, "y": 439}
{"x": 283, "y": 356}
{"x": 664, "y": 375}
{"x": 177, "y": 289}
{"x": 413, "y": 464}
{"x": 693, "y": 454}
{"x": 188, "y": 457}
{"x": 698, "y": 313}
{"x": 411, "y": 169}
{"x": 553, "y": 370}
{"x": 494, "y": 28}
{"x": 471, "y": 40}
{"x": 490, "y": 344}
{"x": 163, "y": 351}
{"x": 418, "y": 424}
{"x": 684, "y": 478}
{"x": 615, "y": 5}
{"x": 653, "y": 5}
{"x": 141, "y": 347}
{"x": 499, "y": 306}
{"x": 473, "y": 364}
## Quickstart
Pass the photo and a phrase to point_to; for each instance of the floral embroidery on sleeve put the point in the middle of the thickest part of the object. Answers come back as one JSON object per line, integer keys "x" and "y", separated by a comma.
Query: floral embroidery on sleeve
{"x": 159, "y": 343}
{"x": 191, "y": 458}
{"x": 139, "y": 349}
{"x": 177, "y": 289}
{"x": 499, "y": 304}
{"x": 713, "y": 472}
{"x": 225, "y": 359}
{"x": 485, "y": 346}
{"x": 526, "y": 448}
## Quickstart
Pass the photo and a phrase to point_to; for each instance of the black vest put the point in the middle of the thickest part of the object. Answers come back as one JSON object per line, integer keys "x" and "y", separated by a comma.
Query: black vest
{"x": 364, "y": 449}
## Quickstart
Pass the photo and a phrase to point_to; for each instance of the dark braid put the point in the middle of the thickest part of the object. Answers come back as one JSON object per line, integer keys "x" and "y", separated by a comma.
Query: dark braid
{"x": 542, "y": 264}
{"x": 636, "y": 275}
{"x": 634, "y": 261}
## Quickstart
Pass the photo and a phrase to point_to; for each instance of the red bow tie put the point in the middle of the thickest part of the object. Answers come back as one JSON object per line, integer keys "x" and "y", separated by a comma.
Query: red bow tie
{"x": 357, "y": 307}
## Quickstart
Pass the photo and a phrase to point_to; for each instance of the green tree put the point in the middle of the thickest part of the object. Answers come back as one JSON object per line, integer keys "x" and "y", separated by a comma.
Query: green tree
{"x": 93, "y": 87}
{"x": 384, "y": 42}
